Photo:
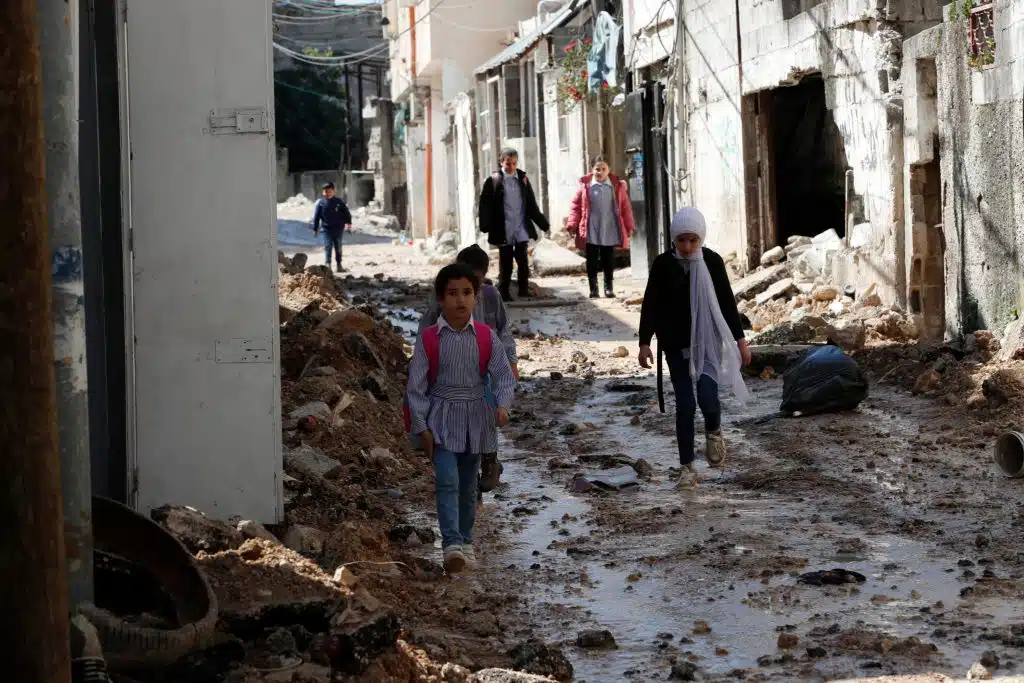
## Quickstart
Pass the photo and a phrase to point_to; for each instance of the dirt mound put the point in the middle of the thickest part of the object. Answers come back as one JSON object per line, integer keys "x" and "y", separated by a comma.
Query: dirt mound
{"x": 298, "y": 287}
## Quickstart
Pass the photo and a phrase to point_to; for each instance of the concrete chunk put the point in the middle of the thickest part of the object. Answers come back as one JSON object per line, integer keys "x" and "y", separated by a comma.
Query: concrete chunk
{"x": 758, "y": 281}
{"x": 779, "y": 289}
{"x": 311, "y": 461}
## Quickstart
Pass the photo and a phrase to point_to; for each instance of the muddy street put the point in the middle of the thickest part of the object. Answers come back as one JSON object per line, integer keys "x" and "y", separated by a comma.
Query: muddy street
{"x": 727, "y": 581}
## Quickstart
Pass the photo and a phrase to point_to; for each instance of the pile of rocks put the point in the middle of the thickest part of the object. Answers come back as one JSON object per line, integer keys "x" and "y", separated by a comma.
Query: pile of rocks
{"x": 788, "y": 301}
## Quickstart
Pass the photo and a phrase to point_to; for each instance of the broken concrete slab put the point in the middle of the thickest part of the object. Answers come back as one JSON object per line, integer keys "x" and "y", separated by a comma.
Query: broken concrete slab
{"x": 251, "y": 529}
{"x": 317, "y": 409}
{"x": 779, "y": 289}
{"x": 849, "y": 335}
{"x": 311, "y": 461}
{"x": 195, "y": 530}
{"x": 551, "y": 259}
{"x": 758, "y": 281}
{"x": 773, "y": 256}
{"x": 1012, "y": 345}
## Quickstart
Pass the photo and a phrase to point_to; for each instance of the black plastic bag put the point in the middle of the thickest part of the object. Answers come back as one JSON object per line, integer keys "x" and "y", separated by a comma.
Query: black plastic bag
{"x": 825, "y": 380}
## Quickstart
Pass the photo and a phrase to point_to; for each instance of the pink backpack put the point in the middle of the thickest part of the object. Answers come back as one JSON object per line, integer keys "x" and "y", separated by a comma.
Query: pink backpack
{"x": 432, "y": 346}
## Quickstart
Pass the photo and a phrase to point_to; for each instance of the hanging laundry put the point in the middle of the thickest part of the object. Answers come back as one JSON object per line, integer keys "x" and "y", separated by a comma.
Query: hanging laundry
{"x": 601, "y": 60}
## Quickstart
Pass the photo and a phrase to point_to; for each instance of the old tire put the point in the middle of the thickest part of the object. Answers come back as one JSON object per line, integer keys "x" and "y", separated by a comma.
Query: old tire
{"x": 120, "y": 531}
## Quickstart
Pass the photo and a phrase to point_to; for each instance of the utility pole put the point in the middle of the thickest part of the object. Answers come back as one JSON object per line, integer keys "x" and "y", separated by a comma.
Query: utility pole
{"x": 33, "y": 592}
{"x": 58, "y": 30}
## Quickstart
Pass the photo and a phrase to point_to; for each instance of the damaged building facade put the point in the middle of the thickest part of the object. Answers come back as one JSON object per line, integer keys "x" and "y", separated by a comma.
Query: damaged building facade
{"x": 964, "y": 166}
{"x": 785, "y": 118}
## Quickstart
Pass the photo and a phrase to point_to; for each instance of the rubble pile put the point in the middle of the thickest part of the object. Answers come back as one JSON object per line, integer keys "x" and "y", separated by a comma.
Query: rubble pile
{"x": 980, "y": 372}
{"x": 788, "y": 301}
{"x": 299, "y": 285}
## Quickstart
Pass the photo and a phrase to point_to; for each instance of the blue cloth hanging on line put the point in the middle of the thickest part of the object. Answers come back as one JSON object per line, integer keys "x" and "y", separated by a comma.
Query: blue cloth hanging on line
{"x": 601, "y": 60}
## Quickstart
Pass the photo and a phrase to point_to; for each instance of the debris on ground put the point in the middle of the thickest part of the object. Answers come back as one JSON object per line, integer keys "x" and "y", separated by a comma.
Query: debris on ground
{"x": 788, "y": 300}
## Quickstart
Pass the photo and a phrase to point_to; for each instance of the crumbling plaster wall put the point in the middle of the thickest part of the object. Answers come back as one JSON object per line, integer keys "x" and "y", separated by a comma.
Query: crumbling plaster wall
{"x": 856, "y": 47}
{"x": 981, "y": 137}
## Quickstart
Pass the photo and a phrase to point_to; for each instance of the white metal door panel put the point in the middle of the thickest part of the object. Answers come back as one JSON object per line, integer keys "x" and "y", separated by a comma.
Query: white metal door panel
{"x": 204, "y": 268}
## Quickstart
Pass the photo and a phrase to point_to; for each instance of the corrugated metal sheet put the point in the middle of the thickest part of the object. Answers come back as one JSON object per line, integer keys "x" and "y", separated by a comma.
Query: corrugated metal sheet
{"x": 524, "y": 44}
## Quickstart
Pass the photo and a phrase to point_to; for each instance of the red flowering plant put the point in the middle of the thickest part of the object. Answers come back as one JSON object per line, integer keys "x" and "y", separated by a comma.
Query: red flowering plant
{"x": 572, "y": 85}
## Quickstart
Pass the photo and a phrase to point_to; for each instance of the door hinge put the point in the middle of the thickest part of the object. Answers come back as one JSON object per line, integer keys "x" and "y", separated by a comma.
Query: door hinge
{"x": 131, "y": 240}
{"x": 135, "y": 481}
{"x": 239, "y": 121}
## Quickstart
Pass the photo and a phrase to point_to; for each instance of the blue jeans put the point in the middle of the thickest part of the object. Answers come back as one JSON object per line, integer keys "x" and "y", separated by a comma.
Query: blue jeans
{"x": 457, "y": 475}
{"x": 332, "y": 242}
{"x": 686, "y": 407}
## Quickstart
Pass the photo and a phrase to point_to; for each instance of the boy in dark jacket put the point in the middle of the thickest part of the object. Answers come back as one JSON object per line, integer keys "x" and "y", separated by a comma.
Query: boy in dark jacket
{"x": 333, "y": 214}
{"x": 508, "y": 214}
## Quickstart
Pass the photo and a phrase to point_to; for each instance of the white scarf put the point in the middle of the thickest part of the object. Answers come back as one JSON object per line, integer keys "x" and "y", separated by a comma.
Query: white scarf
{"x": 713, "y": 352}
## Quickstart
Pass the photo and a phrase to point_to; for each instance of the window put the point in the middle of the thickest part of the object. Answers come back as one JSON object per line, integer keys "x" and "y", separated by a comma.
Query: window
{"x": 983, "y": 36}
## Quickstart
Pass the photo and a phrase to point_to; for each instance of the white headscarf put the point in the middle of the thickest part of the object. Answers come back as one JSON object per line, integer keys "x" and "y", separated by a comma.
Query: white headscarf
{"x": 713, "y": 351}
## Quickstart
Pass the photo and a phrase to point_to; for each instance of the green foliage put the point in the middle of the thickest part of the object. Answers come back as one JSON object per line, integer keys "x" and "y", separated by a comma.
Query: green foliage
{"x": 573, "y": 86}
{"x": 311, "y": 116}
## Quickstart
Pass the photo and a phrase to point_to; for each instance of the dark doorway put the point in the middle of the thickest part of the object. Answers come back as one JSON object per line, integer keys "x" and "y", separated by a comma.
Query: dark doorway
{"x": 809, "y": 162}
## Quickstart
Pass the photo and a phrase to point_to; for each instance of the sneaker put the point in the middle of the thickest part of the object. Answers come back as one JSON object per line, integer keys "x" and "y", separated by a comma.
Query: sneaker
{"x": 454, "y": 559}
{"x": 609, "y": 293}
{"x": 470, "y": 555}
{"x": 716, "y": 452}
{"x": 489, "y": 472}
{"x": 688, "y": 479}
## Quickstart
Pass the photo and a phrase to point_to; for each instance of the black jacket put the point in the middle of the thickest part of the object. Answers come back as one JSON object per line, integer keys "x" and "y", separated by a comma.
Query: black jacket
{"x": 332, "y": 215}
{"x": 492, "y": 208}
{"x": 666, "y": 312}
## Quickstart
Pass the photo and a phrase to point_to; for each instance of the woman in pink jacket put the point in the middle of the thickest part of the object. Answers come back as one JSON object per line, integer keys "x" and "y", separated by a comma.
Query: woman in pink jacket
{"x": 601, "y": 218}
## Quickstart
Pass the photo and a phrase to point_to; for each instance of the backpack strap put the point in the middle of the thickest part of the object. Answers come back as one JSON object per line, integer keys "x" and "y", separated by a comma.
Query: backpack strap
{"x": 432, "y": 345}
{"x": 483, "y": 344}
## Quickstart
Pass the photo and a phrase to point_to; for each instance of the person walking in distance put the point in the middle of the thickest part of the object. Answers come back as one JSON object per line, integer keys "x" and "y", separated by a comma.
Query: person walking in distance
{"x": 508, "y": 214}
{"x": 448, "y": 409}
{"x": 332, "y": 215}
{"x": 689, "y": 305}
{"x": 601, "y": 219}
{"x": 490, "y": 309}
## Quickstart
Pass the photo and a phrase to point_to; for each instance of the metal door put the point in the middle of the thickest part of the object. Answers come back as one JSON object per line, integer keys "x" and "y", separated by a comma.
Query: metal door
{"x": 203, "y": 265}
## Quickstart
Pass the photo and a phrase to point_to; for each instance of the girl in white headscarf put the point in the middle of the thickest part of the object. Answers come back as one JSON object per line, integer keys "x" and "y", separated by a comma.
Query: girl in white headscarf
{"x": 689, "y": 305}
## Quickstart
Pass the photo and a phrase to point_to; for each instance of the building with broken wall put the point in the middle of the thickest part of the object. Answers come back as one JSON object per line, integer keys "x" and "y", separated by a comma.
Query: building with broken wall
{"x": 964, "y": 165}
{"x": 771, "y": 103}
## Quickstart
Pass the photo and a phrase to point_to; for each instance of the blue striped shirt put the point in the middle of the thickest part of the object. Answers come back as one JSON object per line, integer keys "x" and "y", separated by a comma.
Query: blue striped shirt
{"x": 489, "y": 309}
{"x": 455, "y": 407}
{"x": 515, "y": 210}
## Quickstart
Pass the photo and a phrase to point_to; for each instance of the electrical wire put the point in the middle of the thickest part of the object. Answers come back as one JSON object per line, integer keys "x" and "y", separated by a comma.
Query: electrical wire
{"x": 445, "y": 20}
{"x": 346, "y": 60}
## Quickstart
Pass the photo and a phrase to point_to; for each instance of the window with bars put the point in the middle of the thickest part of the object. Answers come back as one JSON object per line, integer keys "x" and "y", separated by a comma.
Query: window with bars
{"x": 983, "y": 36}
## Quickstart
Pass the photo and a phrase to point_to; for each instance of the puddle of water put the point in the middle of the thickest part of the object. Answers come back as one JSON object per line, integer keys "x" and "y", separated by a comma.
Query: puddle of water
{"x": 746, "y": 615}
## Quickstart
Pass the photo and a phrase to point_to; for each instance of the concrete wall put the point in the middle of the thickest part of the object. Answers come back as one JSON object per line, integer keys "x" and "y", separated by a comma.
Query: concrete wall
{"x": 466, "y": 173}
{"x": 385, "y": 161}
{"x": 856, "y": 49}
{"x": 566, "y": 158}
{"x": 981, "y": 143}
{"x": 416, "y": 181}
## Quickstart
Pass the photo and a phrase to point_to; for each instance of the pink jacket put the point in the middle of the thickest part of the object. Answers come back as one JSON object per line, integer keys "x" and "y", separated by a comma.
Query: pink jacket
{"x": 579, "y": 211}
